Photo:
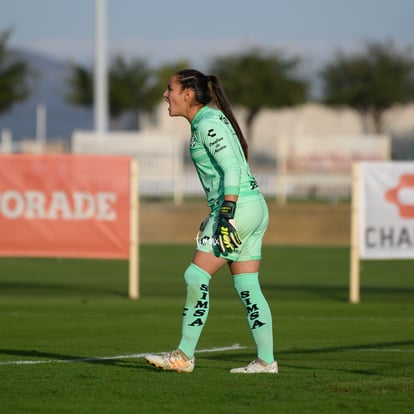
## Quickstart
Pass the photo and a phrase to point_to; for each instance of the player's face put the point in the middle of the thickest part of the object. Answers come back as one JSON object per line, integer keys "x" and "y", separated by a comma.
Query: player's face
{"x": 175, "y": 97}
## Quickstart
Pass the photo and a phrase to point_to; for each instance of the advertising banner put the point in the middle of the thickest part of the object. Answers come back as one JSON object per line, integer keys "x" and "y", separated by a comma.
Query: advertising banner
{"x": 386, "y": 210}
{"x": 64, "y": 206}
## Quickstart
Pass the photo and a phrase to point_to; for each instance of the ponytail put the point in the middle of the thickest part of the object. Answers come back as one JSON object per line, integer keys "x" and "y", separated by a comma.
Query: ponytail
{"x": 223, "y": 104}
{"x": 207, "y": 88}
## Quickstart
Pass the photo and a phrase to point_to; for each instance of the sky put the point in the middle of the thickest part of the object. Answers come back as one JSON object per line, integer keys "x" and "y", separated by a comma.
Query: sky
{"x": 163, "y": 31}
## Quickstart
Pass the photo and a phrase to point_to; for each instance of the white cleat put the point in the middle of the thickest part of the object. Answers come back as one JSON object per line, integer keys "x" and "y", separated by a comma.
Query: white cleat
{"x": 171, "y": 361}
{"x": 257, "y": 367}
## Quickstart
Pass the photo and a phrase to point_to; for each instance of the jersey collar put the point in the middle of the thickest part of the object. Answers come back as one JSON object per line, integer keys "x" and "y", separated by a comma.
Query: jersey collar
{"x": 198, "y": 115}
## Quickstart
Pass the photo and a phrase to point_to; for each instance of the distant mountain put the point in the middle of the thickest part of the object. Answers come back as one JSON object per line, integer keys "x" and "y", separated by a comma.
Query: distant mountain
{"x": 48, "y": 89}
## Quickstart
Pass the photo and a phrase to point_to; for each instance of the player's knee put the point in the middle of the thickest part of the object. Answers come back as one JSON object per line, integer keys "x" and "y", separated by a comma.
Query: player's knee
{"x": 195, "y": 275}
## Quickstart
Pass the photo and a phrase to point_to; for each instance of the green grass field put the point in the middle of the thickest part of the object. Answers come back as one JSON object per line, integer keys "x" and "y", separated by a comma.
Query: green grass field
{"x": 72, "y": 342}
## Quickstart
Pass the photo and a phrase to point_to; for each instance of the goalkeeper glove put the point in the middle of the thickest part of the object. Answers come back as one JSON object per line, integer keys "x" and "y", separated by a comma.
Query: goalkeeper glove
{"x": 226, "y": 236}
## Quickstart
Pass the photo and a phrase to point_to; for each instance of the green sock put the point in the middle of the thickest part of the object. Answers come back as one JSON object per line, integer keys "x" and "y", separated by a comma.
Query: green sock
{"x": 258, "y": 313}
{"x": 196, "y": 308}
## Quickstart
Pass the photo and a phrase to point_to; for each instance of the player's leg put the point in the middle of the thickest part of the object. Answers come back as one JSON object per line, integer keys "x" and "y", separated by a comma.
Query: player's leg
{"x": 253, "y": 217}
{"x": 197, "y": 278}
{"x": 197, "y": 303}
{"x": 259, "y": 318}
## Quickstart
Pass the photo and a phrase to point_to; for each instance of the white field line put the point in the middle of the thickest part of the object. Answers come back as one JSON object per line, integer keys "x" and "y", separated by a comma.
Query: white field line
{"x": 96, "y": 359}
{"x": 210, "y": 350}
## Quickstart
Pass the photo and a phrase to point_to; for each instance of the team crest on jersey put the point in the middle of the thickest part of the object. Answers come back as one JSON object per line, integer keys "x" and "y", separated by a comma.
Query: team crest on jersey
{"x": 192, "y": 141}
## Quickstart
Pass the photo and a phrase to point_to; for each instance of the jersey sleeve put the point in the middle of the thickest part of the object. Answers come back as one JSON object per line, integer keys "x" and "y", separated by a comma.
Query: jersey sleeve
{"x": 223, "y": 146}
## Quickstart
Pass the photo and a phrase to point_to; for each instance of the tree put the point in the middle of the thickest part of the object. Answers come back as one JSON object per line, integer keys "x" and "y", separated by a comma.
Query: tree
{"x": 370, "y": 81}
{"x": 138, "y": 85}
{"x": 80, "y": 82}
{"x": 14, "y": 74}
{"x": 132, "y": 85}
{"x": 256, "y": 80}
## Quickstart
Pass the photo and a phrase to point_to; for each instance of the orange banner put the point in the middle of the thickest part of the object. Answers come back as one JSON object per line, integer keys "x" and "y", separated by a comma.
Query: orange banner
{"x": 64, "y": 206}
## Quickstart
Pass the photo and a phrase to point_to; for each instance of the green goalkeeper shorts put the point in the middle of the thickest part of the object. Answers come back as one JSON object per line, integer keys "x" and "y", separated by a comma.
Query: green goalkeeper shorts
{"x": 252, "y": 219}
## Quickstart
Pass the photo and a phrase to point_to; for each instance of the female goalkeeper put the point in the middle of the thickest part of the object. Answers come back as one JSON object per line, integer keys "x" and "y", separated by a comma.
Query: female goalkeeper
{"x": 232, "y": 233}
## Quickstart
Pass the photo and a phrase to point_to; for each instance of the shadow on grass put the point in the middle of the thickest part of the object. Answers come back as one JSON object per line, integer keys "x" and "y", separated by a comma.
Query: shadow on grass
{"x": 379, "y": 346}
{"x": 242, "y": 358}
{"x": 48, "y": 357}
{"x": 35, "y": 357}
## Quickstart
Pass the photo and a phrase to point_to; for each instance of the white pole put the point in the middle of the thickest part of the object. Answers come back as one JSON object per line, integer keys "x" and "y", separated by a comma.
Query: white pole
{"x": 354, "y": 279}
{"x": 6, "y": 146}
{"x": 100, "y": 78}
{"x": 133, "y": 280}
{"x": 41, "y": 127}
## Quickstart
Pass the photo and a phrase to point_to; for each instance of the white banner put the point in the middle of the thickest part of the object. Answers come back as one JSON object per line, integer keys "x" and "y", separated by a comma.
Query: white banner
{"x": 386, "y": 210}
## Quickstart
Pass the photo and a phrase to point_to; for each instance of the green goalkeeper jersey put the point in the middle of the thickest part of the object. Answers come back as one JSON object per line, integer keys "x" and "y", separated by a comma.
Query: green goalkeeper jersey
{"x": 218, "y": 157}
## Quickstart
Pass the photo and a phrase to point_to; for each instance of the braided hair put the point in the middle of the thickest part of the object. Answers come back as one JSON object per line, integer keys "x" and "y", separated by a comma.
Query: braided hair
{"x": 208, "y": 88}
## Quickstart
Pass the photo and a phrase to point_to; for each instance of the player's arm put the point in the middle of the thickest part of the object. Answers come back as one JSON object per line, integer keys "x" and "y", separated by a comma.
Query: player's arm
{"x": 220, "y": 143}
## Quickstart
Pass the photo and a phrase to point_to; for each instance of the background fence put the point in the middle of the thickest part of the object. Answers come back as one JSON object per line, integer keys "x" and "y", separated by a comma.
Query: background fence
{"x": 301, "y": 166}
{"x": 303, "y": 152}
